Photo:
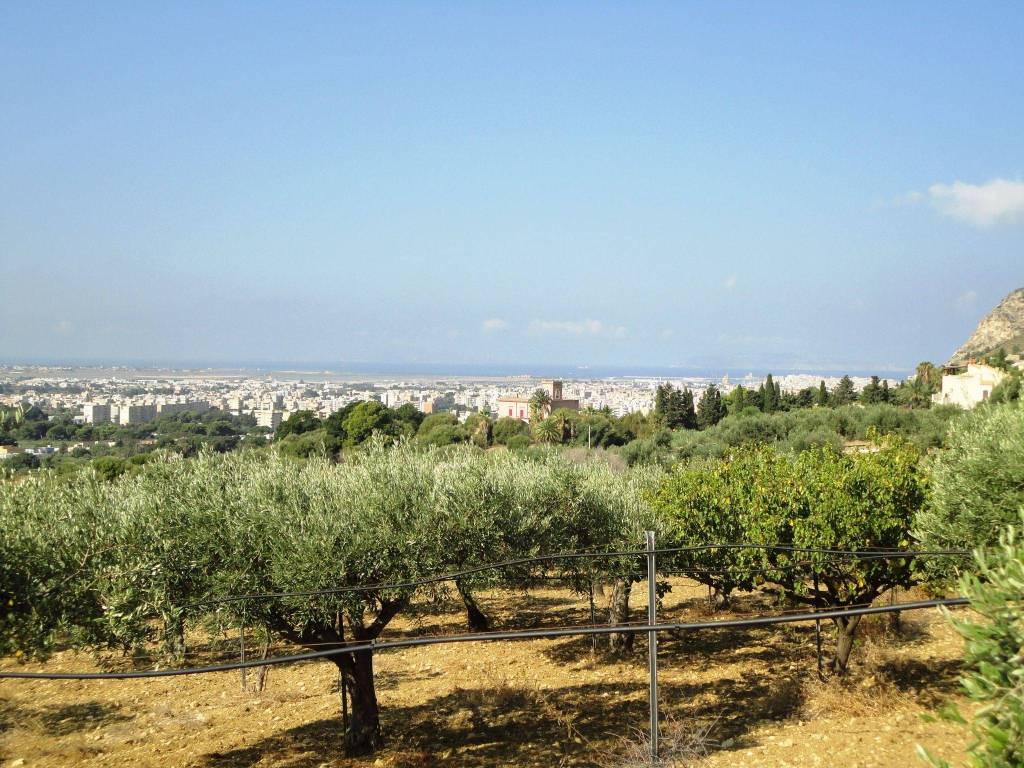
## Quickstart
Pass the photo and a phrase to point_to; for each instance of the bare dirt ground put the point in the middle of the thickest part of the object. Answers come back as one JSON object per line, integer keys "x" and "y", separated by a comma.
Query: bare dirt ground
{"x": 524, "y": 703}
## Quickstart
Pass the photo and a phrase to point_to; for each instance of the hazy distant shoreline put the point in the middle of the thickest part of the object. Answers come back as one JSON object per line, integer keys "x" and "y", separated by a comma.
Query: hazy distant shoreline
{"x": 349, "y": 371}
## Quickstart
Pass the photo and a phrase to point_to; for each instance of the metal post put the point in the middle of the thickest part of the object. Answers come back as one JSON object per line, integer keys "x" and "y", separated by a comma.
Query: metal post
{"x": 652, "y": 641}
{"x": 817, "y": 628}
{"x": 241, "y": 654}
{"x": 593, "y": 617}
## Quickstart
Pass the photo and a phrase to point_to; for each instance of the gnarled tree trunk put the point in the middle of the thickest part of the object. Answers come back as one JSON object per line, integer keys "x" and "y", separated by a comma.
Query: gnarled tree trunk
{"x": 174, "y": 638}
{"x": 846, "y": 629}
{"x": 618, "y": 613}
{"x": 476, "y": 619}
{"x": 363, "y": 735}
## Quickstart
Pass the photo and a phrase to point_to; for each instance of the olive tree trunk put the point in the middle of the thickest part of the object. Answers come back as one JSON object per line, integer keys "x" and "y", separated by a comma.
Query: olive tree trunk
{"x": 363, "y": 735}
{"x": 174, "y": 638}
{"x": 476, "y": 619}
{"x": 618, "y": 613}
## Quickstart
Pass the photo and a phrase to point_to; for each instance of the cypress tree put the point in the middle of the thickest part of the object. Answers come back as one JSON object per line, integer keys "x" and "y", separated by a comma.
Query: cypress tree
{"x": 737, "y": 399}
{"x": 689, "y": 415}
{"x": 661, "y": 403}
{"x": 710, "y": 409}
{"x": 821, "y": 397}
{"x": 670, "y": 406}
{"x": 872, "y": 392}
{"x": 768, "y": 395}
{"x": 844, "y": 393}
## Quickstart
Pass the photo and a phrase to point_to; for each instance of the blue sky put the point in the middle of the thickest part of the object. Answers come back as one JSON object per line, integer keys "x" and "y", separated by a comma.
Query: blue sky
{"x": 758, "y": 185}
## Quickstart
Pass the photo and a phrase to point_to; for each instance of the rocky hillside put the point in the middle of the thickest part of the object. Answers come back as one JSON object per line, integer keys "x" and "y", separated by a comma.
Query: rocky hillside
{"x": 1002, "y": 328}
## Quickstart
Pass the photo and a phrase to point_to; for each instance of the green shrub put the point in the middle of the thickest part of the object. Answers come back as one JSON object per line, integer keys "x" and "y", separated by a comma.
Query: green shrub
{"x": 977, "y": 485}
{"x": 820, "y": 499}
{"x": 110, "y": 467}
{"x": 994, "y": 655}
{"x": 21, "y": 461}
{"x": 318, "y": 442}
{"x": 518, "y": 442}
{"x": 506, "y": 428}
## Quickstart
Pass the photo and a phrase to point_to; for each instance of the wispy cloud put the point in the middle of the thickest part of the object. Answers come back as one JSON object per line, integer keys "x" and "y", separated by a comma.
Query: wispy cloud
{"x": 729, "y": 283}
{"x": 999, "y": 201}
{"x": 63, "y": 327}
{"x": 586, "y": 327}
{"x": 494, "y": 324}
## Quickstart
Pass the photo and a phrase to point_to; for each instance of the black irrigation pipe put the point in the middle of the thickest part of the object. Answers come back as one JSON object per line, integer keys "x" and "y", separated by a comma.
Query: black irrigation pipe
{"x": 530, "y": 634}
{"x": 865, "y": 554}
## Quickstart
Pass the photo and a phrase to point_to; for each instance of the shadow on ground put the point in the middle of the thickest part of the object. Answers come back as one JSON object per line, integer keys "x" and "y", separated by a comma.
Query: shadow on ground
{"x": 507, "y": 725}
{"x": 61, "y": 720}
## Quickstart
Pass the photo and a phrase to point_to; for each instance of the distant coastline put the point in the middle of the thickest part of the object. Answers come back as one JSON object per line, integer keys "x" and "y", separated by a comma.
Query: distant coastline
{"x": 362, "y": 370}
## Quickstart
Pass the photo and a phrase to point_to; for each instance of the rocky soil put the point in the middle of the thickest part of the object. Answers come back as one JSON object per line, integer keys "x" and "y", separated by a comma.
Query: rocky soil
{"x": 749, "y": 698}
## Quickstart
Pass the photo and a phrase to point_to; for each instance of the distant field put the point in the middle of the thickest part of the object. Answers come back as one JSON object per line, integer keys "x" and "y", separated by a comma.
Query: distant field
{"x": 538, "y": 703}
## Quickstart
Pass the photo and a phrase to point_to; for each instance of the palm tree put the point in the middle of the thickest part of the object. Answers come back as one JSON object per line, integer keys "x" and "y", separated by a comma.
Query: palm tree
{"x": 547, "y": 431}
{"x": 566, "y": 423}
{"x": 540, "y": 402}
{"x": 12, "y": 417}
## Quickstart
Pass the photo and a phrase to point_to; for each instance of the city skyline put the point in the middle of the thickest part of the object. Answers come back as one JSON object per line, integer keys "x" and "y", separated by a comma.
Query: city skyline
{"x": 734, "y": 187}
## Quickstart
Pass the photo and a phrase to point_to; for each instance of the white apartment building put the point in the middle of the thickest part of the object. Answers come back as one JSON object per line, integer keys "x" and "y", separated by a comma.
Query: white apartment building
{"x": 96, "y": 413}
{"x": 269, "y": 417}
{"x": 970, "y": 387}
{"x": 166, "y": 409}
{"x": 135, "y": 414}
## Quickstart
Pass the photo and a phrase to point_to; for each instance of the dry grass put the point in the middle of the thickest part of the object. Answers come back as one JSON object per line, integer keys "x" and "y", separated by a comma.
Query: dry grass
{"x": 730, "y": 698}
{"x": 681, "y": 743}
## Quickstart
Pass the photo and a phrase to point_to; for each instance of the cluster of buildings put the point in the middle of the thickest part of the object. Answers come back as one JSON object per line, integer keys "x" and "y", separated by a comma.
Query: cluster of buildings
{"x": 125, "y": 396}
{"x": 517, "y": 406}
{"x": 135, "y": 413}
{"x": 39, "y": 451}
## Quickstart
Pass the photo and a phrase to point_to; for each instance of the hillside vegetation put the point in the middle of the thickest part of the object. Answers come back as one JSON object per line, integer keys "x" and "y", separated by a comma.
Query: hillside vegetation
{"x": 338, "y": 547}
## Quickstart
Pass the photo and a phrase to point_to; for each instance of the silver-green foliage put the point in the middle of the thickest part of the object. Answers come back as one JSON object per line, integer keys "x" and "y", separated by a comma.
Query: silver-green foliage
{"x": 994, "y": 656}
{"x": 977, "y": 483}
{"x": 95, "y": 562}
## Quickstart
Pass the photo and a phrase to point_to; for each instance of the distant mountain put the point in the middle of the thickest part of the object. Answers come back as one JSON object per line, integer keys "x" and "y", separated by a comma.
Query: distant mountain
{"x": 1002, "y": 328}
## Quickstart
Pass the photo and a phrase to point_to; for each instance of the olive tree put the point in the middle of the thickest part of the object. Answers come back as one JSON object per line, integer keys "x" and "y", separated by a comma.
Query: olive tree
{"x": 92, "y": 563}
{"x": 976, "y": 485}
{"x": 58, "y": 541}
{"x": 321, "y": 529}
{"x": 994, "y": 637}
{"x": 624, "y": 497}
